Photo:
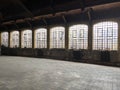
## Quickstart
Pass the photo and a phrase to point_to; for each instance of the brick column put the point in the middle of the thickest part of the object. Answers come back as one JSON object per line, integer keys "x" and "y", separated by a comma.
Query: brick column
{"x": 66, "y": 37}
{"x": 118, "y": 36}
{"x": 20, "y": 44}
{"x": 90, "y": 37}
{"x": 48, "y": 38}
{"x": 33, "y": 42}
{"x": 119, "y": 41}
{"x": 9, "y": 39}
{"x": 0, "y": 39}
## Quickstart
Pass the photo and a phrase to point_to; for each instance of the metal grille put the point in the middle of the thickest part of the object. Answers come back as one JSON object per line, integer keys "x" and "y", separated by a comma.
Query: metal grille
{"x": 105, "y": 36}
{"x": 78, "y": 37}
{"x": 14, "y": 39}
{"x": 4, "y": 39}
{"x": 41, "y": 38}
{"x": 27, "y": 39}
{"x": 57, "y": 37}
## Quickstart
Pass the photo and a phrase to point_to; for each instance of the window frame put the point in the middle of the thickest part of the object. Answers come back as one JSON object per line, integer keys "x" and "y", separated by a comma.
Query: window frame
{"x": 42, "y": 38}
{"x": 55, "y": 41}
{"x": 75, "y": 39}
{"x": 12, "y": 45}
{"x": 6, "y": 39}
{"x": 105, "y": 38}
{"x": 28, "y": 42}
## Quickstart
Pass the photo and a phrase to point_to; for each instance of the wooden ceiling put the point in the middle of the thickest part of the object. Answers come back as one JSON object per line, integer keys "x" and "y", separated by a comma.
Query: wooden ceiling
{"x": 13, "y": 10}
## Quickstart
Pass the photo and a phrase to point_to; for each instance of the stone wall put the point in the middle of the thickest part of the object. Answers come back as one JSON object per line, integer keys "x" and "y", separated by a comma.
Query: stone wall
{"x": 62, "y": 54}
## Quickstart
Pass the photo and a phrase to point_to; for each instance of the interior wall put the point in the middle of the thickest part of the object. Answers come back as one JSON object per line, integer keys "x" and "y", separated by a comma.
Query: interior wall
{"x": 88, "y": 55}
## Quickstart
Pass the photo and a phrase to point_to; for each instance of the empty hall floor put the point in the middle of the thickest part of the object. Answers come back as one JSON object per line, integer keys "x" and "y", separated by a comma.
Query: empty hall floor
{"x": 23, "y": 73}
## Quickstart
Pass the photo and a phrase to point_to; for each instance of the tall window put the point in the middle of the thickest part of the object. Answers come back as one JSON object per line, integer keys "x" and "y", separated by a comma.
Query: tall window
{"x": 14, "y": 40}
{"x": 27, "y": 39}
{"x": 41, "y": 38}
{"x": 57, "y": 37}
{"x": 105, "y": 36}
{"x": 4, "y": 39}
{"x": 78, "y": 37}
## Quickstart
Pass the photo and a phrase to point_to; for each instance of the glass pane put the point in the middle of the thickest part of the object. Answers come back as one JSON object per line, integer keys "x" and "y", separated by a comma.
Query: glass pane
{"x": 41, "y": 38}
{"x": 104, "y": 34}
{"x": 78, "y": 37}
{"x": 14, "y": 39}
{"x": 27, "y": 39}
{"x": 57, "y": 37}
{"x": 4, "y": 39}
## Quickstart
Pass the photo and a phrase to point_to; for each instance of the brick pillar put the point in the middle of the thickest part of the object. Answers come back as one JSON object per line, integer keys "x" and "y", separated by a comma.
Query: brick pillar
{"x": 9, "y": 38}
{"x": 0, "y": 39}
{"x": 33, "y": 42}
{"x": 20, "y": 44}
{"x": 67, "y": 41}
{"x": 90, "y": 37}
{"x": 48, "y": 38}
{"x": 0, "y": 43}
{"x": 66, "y": 37}
{"x": 118, "y": 36}
{"x": 119, "y": 41}
{"x": 90, "y": 29}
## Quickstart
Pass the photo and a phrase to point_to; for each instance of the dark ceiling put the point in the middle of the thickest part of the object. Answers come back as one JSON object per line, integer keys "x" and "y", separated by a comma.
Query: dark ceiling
{"x": 20, "y": 9}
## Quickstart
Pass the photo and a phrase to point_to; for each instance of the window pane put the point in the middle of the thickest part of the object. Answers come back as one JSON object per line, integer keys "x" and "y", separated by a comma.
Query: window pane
{"x": 57, "y": 37}
{"x": 105, "y": 36}
{"x": 78, "y": 37}
{"x": 14, "y": 41}
{"x": 27, "y": 39}
{"x": 41, "y": 38}
{"x": 4, "y": 39}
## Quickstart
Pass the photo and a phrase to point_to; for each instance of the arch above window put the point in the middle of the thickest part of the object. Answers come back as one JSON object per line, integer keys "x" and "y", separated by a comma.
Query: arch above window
{"x": 78, "y": 36}
{"x": 105, "y": 36}
{"x": 57, "y": 37}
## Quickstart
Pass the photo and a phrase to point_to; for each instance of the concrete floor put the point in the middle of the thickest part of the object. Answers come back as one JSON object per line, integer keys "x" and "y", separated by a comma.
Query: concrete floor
{"x": 22, "y": 73}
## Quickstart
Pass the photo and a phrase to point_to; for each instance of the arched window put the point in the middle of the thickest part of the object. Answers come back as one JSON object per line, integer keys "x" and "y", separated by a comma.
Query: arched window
{"x": 57, "y": 37}
{"x": 27, "y": 39}
{"x": 41, "y": 38}
{"x": 14, "y": 39}
{"x": 78, "y": 37}
{"x": 4, "y": 39}
{"x": 105, "y": 36}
